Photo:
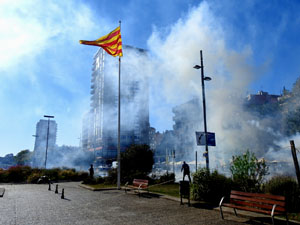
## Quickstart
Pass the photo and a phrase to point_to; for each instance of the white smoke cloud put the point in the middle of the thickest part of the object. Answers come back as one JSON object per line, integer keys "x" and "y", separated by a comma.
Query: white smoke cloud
{"x": 176, "y": 50}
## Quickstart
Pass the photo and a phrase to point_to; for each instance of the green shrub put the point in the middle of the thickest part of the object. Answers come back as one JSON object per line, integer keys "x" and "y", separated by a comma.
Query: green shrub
{"x": 66, "y": 174}
{"x": 248, "y": 172}
{"x": 288, "y": 187}
{"x": 81, "y": 175}
{"x": 3, "y": 176}
{"x": 89, "y": 180}
{"x": 112, "y": 177}
{"x": 210, "y": 187}
{"x": 18, "y": 173}
{"x": 99, "y": 180}
{"x": 53, "y": 174}
{"x": 33, "y": 177}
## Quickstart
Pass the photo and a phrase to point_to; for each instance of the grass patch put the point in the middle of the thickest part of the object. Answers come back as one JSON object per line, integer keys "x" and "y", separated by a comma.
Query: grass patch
{"x": 101, "y": 185}
{"x": 293, "y": 216}
{"x": 166, "y": 189}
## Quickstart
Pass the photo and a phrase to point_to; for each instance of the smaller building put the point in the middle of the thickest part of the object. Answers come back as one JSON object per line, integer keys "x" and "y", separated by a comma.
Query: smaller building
{"x": 155, "y": 138}
{"x": 262, "y": 98}
{"x": 45, "y": 137}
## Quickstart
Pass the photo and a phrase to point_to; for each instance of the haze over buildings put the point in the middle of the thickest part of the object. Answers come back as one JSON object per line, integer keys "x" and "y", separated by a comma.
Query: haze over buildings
{"x": 100, "y": 123}
{"x": 45, "y": 70}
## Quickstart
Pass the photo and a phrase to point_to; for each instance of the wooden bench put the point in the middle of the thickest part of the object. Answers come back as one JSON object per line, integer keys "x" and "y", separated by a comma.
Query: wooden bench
{"x": 255, "y": 202}
{"x": 137, "y": 185}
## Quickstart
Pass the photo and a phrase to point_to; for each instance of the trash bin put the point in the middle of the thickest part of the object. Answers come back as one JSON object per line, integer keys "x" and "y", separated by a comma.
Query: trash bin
{"x": 184, "y": 190}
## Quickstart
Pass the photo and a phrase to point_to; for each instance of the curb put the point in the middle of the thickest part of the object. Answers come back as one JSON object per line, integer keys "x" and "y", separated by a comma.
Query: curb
{"x": 96, "y": 189}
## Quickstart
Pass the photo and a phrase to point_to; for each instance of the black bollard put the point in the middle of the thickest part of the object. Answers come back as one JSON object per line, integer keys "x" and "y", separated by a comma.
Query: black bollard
{"x": 56, "y": 189}
{"x": 63, "y": 194}
{"x": 49, "y": 188}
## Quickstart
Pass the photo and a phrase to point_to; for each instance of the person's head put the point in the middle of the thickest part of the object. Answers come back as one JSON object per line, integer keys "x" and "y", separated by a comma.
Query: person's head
{"x": 184, "y": 162}
{"x": 91, "y": 165}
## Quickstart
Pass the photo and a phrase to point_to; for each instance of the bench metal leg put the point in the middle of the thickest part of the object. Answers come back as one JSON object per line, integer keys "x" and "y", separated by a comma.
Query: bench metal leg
{"x": 235, "y": 211}
{"x": 220, "y": 205}
{"x": 272, "y": 213}
{"x": 221, "y": 212}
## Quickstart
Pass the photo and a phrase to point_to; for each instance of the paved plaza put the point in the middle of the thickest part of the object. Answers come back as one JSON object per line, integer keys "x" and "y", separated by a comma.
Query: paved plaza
{"x": 28, "y": 204}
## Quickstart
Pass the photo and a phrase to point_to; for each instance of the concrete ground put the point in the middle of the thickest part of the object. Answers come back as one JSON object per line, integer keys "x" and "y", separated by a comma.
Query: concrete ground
{"x": 30, "y": 204}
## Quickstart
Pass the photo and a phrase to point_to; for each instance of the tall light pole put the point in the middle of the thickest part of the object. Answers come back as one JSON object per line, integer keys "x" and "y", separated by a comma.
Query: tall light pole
{"x": 203, "y": 78}
{"x": 49, "y": 117}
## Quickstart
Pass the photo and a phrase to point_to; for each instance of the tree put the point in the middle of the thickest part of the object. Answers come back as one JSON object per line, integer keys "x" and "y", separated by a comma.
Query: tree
{"x": 210, "y": 186}
{"x": 248, "y": 172}
{"x": 136, "y": 162}
{"x": 23, "y": 157}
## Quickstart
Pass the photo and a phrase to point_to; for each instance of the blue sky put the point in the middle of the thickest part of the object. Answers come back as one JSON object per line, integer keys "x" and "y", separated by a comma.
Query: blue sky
{"x": 44, "y": 70}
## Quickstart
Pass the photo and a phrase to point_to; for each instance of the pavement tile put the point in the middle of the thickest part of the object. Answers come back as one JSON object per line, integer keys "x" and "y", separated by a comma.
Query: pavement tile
{"x": 31, "y": 204}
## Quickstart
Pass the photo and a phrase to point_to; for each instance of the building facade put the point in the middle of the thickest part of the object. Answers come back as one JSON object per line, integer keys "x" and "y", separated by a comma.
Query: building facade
{"x": 181, "y": 141}
{"x": 100, "y": 124}
{"x": 262, "y": 98}
{"x": 42, "y": 136}
{"x": 187, "y": 120}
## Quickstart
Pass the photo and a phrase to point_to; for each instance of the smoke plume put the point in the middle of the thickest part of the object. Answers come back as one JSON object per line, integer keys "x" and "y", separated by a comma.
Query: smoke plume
{"x": 175, "y": 51}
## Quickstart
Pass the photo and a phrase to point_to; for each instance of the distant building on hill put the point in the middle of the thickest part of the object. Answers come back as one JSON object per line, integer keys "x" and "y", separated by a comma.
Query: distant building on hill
{"x": 262, "y": 98}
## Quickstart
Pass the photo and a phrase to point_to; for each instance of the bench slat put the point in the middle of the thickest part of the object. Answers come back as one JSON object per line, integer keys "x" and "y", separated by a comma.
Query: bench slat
{"x": 275, "y": 197}
{"x": 261, "y": 200}
{"x": 139, "y": 183}
{"x": 256, "y": 205}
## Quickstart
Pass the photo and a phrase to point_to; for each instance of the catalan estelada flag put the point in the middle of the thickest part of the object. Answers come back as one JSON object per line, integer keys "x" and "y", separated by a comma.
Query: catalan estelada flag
{"x": 111, "y": 43}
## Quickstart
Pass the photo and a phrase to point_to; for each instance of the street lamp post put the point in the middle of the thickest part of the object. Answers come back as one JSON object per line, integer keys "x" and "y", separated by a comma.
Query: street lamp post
{"x": 47, "y": 138}
{"x": 203, "y": 78}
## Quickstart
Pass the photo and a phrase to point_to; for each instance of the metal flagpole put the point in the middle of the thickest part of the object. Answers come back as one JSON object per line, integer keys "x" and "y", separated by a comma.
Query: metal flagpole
{"x": 119, "y": 126}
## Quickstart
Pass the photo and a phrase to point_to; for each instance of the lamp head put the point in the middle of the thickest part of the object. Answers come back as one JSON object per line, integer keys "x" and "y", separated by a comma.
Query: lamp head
{"x": 197, "y": 67}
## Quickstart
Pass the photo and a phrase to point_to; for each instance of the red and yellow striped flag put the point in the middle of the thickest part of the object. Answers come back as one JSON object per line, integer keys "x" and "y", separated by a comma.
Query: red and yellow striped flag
{"x": 111, "y": 43}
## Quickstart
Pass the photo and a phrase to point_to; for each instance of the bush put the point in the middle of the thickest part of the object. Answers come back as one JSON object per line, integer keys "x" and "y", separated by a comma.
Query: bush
{"x": 288, "y": 187}
{"x": 53, "y": 174}
{"x": 89, "y": 180}
{"x": 248, "y": 173}
{"x": 136, "y": 162}
{"x": 210, "y": 187}
{"x": 81, "y": 176}
{"x": 33, "y": 177}
{"x": 18, "y": 173}
{"x": 67, "y": 174}
{"x": 27, "y": 174}
{"x": 3, "y": 176}
{"x": 112, "y": 177}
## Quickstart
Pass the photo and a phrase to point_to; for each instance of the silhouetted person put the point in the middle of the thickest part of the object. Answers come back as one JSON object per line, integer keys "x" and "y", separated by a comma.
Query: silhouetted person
{"x": 91, "y": 169}
{"x": 186, "y": 170}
